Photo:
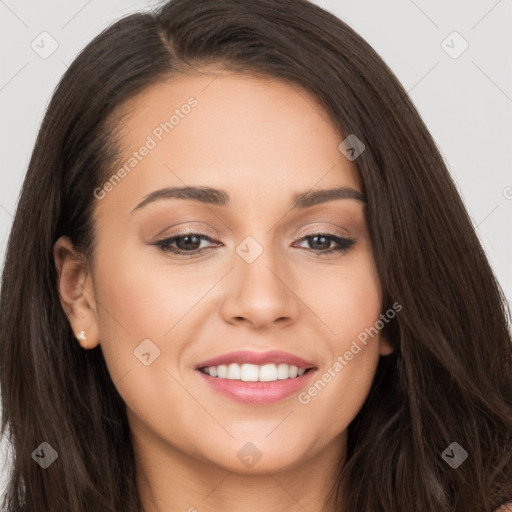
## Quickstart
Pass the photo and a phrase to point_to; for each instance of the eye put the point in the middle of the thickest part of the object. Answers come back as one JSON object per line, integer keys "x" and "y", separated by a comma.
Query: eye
{"x": 188, "y": 243}
{"x": 323, "y": 241}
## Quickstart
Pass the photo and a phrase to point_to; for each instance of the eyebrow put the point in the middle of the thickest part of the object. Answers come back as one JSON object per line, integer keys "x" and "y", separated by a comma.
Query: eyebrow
{"x": 217, "y": 197}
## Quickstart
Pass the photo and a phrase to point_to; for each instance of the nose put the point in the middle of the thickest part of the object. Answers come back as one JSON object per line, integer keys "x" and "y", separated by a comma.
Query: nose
{"x": 260, "y": 293}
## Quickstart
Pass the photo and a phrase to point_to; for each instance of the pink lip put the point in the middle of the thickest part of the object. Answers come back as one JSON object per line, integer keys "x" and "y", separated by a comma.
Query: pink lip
{"x": 259, "y": 358}
{"x": 257, "y": 393}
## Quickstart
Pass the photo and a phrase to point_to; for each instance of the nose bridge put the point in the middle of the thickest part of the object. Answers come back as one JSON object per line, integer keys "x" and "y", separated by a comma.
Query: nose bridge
{"x": 261, "y": 291}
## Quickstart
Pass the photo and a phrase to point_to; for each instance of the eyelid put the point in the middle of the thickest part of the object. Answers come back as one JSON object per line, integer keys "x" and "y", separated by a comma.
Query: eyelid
{"x": 322, "y": 229}
{"x": 190, "y": 229}
{"x": 206, "y": 229}
{"x": 213, "y": 234}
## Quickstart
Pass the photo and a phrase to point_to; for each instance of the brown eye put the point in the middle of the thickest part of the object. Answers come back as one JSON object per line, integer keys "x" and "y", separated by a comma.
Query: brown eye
{"x": 188, "y": 243}
{"x": 321, "y": 242}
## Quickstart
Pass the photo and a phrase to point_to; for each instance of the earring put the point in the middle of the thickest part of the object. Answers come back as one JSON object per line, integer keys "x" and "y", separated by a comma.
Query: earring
{"x": 81, "y": 335}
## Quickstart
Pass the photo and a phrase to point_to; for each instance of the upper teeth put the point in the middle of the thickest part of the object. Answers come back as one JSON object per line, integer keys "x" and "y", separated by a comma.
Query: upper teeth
{"x": 254, "y": 373}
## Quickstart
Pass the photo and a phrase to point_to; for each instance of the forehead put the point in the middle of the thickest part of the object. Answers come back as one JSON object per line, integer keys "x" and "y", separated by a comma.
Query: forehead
{"x": 231, "y": 131}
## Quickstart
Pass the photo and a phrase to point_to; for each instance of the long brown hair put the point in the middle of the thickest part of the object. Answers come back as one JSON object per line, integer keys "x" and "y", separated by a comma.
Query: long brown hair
{"x": 450, "y": 376}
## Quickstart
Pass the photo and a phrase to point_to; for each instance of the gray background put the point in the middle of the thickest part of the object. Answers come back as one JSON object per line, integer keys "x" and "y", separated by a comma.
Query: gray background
{"x": 466, "y": 101}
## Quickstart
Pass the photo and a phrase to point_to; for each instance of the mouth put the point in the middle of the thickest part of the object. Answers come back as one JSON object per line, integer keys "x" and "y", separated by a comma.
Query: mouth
{"x": 255, "y": 377}
{"x": 254, "y": 373}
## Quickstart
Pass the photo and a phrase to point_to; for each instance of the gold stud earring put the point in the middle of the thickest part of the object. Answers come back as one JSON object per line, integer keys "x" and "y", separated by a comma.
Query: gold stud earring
{"x": 81, "y": 335}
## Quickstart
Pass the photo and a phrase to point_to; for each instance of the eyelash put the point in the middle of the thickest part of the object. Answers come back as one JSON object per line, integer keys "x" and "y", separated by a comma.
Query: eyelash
{"x": 344, "y": 244}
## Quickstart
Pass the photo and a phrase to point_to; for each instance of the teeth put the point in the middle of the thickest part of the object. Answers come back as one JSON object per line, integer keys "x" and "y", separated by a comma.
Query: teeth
{"x": 268, "y": 373}
{"x": 233, "y": 372}
{"x": 254, "y": 373}
{"x": 248, "y": 372}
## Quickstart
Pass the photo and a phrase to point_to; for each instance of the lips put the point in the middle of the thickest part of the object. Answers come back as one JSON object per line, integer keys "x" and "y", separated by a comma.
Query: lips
{"x": 257, "y": 393}
{"x": 258, "y": 358}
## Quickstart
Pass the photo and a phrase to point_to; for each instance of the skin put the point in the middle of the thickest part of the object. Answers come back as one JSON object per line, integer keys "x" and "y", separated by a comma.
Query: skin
{"x": 262, "y": 141}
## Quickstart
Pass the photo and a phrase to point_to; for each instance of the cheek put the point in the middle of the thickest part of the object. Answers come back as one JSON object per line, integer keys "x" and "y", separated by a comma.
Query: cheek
{"x": 342, "y": 385}
{"x": 357, "y": 334}
{"x": 133, "y": 292}
{"x": 347, "y": 299}
{"x": 350, "y": 306}
{"x": 137, "y": 307}
{"x": 141, "y": 297}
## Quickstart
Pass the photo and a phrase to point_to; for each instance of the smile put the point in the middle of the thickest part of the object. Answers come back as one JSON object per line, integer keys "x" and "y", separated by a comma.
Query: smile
{"x": 256, "y": 392}
{"x": 253, "y": 373}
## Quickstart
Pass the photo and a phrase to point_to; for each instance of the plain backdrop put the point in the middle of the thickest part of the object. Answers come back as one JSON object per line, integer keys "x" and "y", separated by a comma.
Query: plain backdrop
{"x": 454, "y": 59}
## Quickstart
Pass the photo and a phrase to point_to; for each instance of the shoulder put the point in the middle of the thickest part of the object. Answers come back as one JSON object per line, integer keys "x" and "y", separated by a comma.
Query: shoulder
{"x": 505, "y": 508}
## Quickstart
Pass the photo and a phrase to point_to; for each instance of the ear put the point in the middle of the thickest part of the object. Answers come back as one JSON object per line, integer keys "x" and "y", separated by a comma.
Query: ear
{"x": 75, "y": 287}
{"x": 385, "y": 347}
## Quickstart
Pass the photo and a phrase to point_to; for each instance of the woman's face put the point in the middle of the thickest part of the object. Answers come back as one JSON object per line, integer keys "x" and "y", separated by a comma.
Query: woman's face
{"x": 258, "y": 284}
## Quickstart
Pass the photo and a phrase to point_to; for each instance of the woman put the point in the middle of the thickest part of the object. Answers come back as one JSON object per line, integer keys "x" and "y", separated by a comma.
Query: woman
{"x": 240, "y": 277}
